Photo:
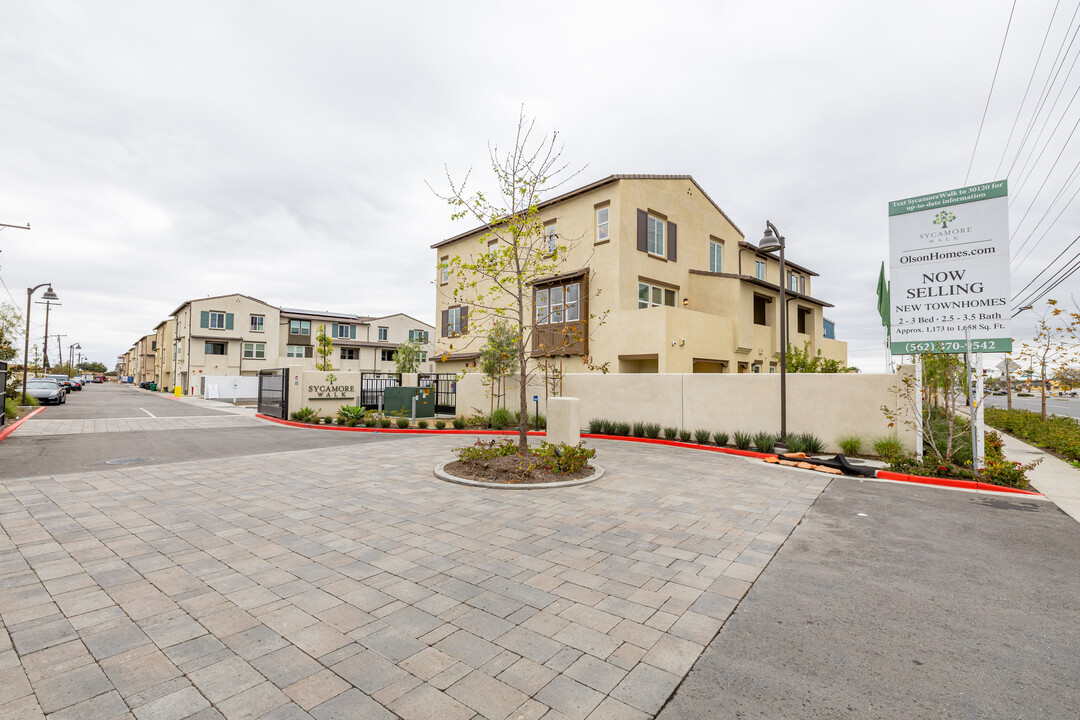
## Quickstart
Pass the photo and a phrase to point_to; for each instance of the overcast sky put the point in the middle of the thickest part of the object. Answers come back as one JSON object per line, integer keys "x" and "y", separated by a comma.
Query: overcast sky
{"x": 168, "y": 151}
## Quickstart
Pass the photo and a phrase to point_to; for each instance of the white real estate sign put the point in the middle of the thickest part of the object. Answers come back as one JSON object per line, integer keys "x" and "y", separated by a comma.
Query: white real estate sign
{"x": 949, "y": 271}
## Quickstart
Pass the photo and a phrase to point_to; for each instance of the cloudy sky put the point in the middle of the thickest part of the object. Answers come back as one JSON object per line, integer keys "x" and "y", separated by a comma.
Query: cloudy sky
{"x": 169, "y": 151}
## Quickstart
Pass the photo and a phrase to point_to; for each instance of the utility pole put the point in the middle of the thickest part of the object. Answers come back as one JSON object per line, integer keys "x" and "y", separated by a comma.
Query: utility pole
{"x": 45, "y": 351}
{"x": 60, "y": 348}
{"x": 71, "y": 357}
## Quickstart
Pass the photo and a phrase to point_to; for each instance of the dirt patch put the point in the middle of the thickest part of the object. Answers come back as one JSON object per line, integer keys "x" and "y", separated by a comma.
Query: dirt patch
{"x": 509, "y": 470}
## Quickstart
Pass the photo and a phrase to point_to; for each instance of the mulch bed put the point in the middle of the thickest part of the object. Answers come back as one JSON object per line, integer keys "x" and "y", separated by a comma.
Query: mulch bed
{"x": 508, "y": 470}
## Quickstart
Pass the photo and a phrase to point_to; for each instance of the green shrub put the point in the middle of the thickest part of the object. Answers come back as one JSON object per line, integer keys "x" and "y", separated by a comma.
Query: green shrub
{"x": 402, "y": 422}
{"x": 422, "y": 424}
{"x": 538, "y": 422}
{"x": 764, "y": 442}
{"x": 500, "y": 418}
{"x": 889, "y": 448}
{"x": 459, "y": 423}
{"x": 11, "y": 407}
{"x": 599, "y": 426}
{"x": 671, "y": 433}
{"x": 621, "y": 428}
{"x": 371, "y": 421}
{"x": 720, "y": 438}
{"x": 486, "y": 450}
{"x": 684, "y": 435}
{"x": 805, "y": 443}
{"x": 742, "y": 440}
{"x": 702, "y": 436}
{"x": 305, "y": 415}
{"x": 1060, "y": 434}
{"x": 384, "y": 422}
{"x": 440, "y": 424}
{"x": 351, "y": 415}
{"x": 639, "y": 429}
{"x": 850, "y": 444}
{"x": 563, "y": 458}
{"x": 652, "y": 430}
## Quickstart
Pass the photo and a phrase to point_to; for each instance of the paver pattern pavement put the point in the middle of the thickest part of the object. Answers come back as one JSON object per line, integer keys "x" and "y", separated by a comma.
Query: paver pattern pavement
{"x": 349, "y": 582}
{"x": 38, "y": 427}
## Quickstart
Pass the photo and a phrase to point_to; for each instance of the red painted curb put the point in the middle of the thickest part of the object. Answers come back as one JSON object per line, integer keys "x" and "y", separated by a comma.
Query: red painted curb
{"x": 947, "y": 482}
{"x": 679, "y": 443}
{"x": 8, "y": 429}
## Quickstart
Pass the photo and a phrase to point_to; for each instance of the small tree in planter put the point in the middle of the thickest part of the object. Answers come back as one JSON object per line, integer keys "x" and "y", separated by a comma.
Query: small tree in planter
{"x": 407, "y": 357}
{"x": 324, "y": 349}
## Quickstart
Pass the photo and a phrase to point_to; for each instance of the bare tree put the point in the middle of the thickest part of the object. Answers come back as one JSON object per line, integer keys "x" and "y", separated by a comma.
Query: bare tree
{"x": 516, "y": 252}
{"x": 1052, "y": 347}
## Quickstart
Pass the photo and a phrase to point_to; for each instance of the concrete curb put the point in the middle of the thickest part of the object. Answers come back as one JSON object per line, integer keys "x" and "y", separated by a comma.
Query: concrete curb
{"x": 8, "y": 429}
{"x": 881, "y": 474}
{"x": 440, "y": 472}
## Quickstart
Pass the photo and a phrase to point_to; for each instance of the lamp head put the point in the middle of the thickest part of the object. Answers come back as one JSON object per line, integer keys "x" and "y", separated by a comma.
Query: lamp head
{"x": 50, "y": 295}
{"x": 769, "y": 242}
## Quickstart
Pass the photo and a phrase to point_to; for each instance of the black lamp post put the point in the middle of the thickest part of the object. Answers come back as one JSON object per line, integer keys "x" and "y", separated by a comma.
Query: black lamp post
{"x": 771, "y": 242}
{"x": 49, "y": 295}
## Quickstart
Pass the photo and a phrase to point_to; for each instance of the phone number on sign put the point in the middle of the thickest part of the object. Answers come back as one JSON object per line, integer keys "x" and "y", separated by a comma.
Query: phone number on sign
{"x": 948, "y": 346}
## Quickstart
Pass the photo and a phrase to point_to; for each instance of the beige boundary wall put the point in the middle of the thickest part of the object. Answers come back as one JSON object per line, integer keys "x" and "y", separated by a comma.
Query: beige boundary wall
{"x": 327, "y": 391}
{"x": 827, "y": 405}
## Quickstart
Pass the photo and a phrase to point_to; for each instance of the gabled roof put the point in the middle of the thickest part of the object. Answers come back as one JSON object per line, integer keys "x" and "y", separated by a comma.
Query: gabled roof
{"x": 218, "y": 297}
{"x": 600, "y": 183}
{"x": 383, "y": 317}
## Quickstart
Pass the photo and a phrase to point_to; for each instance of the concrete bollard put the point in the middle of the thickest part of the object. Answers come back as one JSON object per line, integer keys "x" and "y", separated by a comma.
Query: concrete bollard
{"x": 564, "y": 420}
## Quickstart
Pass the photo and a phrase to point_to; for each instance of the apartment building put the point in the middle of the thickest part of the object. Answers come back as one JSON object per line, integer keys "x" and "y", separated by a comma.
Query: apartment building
{"x": 361, "y": 343}
{"x": 240, "y": 335}
{"x": 652, "y": 277}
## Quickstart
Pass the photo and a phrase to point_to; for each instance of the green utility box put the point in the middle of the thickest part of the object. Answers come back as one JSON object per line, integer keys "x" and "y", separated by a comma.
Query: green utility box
{"x": 399, "y": 400}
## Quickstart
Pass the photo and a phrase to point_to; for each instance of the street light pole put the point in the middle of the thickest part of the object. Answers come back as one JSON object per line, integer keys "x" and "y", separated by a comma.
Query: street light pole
{"x": 773, "y": 240}
{"x": 49, "y": 295}
{"x": 71, "y": 357}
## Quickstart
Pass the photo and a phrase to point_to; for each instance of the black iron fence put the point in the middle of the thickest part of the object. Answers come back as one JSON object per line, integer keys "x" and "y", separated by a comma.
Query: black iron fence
{"x": 274, "y": 393}
{"x": 373, "y": 388}
{"x": 445, "y": 385}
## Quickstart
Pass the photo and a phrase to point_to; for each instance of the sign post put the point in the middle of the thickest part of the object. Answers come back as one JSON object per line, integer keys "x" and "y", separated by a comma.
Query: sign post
{"x": 949, "y": 279}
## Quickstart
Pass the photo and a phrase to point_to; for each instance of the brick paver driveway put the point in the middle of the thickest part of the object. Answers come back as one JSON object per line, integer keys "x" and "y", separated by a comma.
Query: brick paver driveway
{"x": 348, "y": 582}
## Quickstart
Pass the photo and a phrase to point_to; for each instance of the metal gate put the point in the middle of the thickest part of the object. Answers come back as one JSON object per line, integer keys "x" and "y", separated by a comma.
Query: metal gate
{"x": 373, "y": 388}
{"x": 3, "y": 392}
{"x": 274, "y": 393}
{"x": 445, "y": 385}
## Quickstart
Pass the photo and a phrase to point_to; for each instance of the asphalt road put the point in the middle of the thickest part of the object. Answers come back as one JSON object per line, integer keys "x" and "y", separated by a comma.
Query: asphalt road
{"x": 935, "y": 604}
{"x": 1054, "y": 405}
{"x": 24, "y": 455}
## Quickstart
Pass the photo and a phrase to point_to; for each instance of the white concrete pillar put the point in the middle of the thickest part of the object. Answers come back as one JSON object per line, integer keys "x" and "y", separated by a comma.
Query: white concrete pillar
{"x": 564, "y": 420}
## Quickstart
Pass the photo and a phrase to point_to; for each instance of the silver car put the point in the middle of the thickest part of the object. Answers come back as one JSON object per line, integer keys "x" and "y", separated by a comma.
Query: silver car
{"x": 46, "y": 390}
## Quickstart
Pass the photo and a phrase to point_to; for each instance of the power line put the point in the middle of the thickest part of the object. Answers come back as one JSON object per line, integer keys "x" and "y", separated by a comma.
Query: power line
{"x": 1051, "y": 78}
{"x": 1034, "y": 67}
{"x": 990, "y": 94}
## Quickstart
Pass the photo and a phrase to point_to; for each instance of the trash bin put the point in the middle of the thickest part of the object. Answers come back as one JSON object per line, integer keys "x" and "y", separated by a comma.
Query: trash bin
{"x": 153, "y": 387}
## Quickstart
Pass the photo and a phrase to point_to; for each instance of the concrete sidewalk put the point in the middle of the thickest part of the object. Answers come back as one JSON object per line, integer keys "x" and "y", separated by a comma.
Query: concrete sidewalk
{"x": 1056, "y": 479}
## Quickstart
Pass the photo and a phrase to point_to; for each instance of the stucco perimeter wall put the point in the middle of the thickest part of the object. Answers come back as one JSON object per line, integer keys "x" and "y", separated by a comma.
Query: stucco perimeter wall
{"x": 827, "y": 405}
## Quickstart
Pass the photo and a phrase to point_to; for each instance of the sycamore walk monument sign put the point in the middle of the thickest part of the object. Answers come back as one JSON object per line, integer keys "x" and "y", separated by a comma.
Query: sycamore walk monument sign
{"x": 949, "y": 271}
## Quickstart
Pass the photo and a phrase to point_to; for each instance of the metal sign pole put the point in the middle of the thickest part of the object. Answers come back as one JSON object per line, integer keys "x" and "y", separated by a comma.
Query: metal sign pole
{"x": 971, "y": 424}
{"x": 977, "y": 414}
{"x": 919, "y": 408}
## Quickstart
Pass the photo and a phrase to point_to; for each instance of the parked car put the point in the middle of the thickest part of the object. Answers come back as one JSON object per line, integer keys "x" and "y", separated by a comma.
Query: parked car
{"x": 46, "y": 390}
{"x": 64, "y": 380}
{"x": 76, "y": 384}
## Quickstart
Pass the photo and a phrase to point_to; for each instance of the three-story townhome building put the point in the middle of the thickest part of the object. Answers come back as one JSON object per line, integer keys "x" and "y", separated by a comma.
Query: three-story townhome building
{"x": 655, "y": 278}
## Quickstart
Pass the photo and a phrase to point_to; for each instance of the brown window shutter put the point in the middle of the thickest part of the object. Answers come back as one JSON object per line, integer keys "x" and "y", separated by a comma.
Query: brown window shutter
{"x": 672, "y": 241}
{"x": 445, "y": 322}
{"x": 464, "y": 319}
{"x": 642, "y": 231}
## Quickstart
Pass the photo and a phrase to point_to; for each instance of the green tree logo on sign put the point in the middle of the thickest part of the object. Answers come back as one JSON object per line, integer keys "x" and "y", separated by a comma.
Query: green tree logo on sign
{"x": 943, "y": 218}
